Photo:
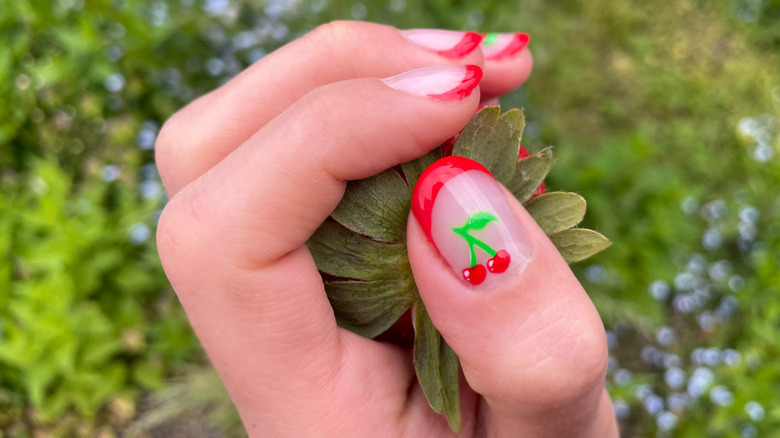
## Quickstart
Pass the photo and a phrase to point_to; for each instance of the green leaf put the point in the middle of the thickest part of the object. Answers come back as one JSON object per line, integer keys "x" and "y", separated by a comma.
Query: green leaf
{"x": 339, "y": 252}
{"x": 579, "y": 243}
{"x": 368, "y": 308}
{"x": 450, "y": 385}
{"x": 557, "y": 211}
{"x": 477, "y": 221}
{"x": 376, "y": 207}
{"x": 436, "y": 366}
{"x": 413, "y": 169}
{"x": 529, "y": 173}
{"x": 480, "y": 220}
{"x": 493, "y": 141}
{"x": 427, "y": 357}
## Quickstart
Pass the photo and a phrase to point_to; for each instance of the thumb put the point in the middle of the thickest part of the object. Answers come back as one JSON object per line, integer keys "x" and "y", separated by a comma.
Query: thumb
{"x": 528, "y": 337}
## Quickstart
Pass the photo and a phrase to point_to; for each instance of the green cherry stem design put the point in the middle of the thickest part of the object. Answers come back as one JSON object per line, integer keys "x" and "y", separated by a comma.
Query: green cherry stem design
{"x": 477, "y": 221}
{"x": 490, "y": 39}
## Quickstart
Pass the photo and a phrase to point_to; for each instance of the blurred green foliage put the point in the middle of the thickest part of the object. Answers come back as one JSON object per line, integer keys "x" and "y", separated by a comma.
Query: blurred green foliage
{"x": 664, "y": 116}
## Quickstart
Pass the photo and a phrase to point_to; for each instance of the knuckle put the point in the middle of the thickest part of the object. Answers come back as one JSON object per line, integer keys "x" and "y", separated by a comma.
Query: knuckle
{"x": 178, "y": 135}
{"x": 337, "y": 37}
{"x": 170, "y": 240}
{"x": 333, "y": 32}
{"x": 558, "y": 366}
{"x": 182, "y": 239}
{"x": 167, "y": 143}
{"x": 583, "y": 370}
{"x": 575, "y": 364}
{"x": 320, "y": 106}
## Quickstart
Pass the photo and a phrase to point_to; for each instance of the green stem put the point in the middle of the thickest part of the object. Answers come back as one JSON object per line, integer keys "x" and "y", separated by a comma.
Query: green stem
{"x": 473, "y": 241}
{"x": 485, "y": 247}
{"x": 464, "y": 233}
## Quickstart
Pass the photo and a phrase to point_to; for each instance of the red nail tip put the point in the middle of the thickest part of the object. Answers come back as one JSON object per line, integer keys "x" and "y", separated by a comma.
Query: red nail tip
{"x": 466, "y": 45}
{"x": 466, "y": 86}
{"x": 518, "y": 43}
{"x": 432, "y": 180}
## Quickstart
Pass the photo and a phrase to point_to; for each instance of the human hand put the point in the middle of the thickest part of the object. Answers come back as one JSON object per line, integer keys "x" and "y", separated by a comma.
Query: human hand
{"x": 254, "y": 167}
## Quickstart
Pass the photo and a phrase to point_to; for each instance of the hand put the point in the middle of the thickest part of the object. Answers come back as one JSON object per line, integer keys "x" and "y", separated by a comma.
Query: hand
{"x": 254, "y": 167}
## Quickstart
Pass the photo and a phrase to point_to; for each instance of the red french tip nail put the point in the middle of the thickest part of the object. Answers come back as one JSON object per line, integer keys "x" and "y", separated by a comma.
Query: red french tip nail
{"x": 467, "y": 85}
{"x": 432, "y": 180}
{"x": 518, "y": 43}
{"x": 466, "y": 45}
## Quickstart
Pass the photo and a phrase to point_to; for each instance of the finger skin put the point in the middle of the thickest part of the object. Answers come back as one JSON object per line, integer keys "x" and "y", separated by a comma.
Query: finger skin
{"x": 501, "y": 77}
{"x": 232, "y": 244}
{"x": 533, "y": 345}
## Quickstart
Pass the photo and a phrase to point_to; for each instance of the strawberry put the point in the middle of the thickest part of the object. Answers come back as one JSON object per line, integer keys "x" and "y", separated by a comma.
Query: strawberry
{"x": 541, "y": 190}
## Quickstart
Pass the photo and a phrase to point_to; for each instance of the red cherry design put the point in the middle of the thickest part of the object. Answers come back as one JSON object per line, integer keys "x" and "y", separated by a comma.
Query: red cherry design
{"x": 498, "y": 263}
{"x": 475, "y": 274}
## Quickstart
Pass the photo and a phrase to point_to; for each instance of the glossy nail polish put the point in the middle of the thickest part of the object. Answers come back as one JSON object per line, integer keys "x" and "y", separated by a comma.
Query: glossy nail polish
{"x": 441, "y": 83}
{"x": 466, "y": 216}
{"x": 448, "y": 43}
{"x": 500, "y": 46}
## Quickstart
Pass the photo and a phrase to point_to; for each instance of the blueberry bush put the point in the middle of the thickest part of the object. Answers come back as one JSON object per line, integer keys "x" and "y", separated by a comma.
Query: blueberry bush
{"x": 666, "y": 118}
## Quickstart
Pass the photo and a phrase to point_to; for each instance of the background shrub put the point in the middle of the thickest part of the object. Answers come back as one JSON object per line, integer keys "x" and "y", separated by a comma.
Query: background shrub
{"x": 664, "y": 116}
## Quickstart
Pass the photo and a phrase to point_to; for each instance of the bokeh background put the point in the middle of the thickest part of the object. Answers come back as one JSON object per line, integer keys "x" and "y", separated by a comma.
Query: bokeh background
{"x": 664, "y": 115}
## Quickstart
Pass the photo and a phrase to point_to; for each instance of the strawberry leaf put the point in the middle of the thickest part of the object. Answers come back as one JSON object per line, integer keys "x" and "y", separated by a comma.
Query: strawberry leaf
{"x": 529, "y": 173}
{"x": 369, "y": 308}
{"x": 427, "y": 357}
{"x": 474, "y": 135}
{"x": 437, "y": 367}
{"x": 376, "y": 207}
{"x": 448, "y": 370}
{"x": 493, "y": 140}
{"x": 340, "y": 252}
{"x": 579, "y": 243}
{"x": 413, "y": 169}
{"x": 557, "y": 211}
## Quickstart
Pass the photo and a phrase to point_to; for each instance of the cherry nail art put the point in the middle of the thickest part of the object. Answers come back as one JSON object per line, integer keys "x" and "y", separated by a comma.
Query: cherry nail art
{"x": 466, "y": 216}
{"x": 500, "y": 46}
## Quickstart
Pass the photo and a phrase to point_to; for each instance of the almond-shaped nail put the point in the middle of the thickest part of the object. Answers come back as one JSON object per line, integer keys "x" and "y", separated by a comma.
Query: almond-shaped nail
{"x": 449, "y": 43}
{"x": 465, "y": 215}
{"x": 441, "y": 83}
{"x": 500, "y": 46}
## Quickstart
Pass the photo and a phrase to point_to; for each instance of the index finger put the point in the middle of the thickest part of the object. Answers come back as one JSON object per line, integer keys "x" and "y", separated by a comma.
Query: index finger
{"x": 207, "y": 130}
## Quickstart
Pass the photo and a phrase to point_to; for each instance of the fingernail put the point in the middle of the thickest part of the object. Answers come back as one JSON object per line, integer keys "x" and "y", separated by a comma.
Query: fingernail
{"x": 466, "y": 216}
{"x": 447, "y": 43}
{"x": 500, "y": 46}
{"x": 441, "y": 83}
